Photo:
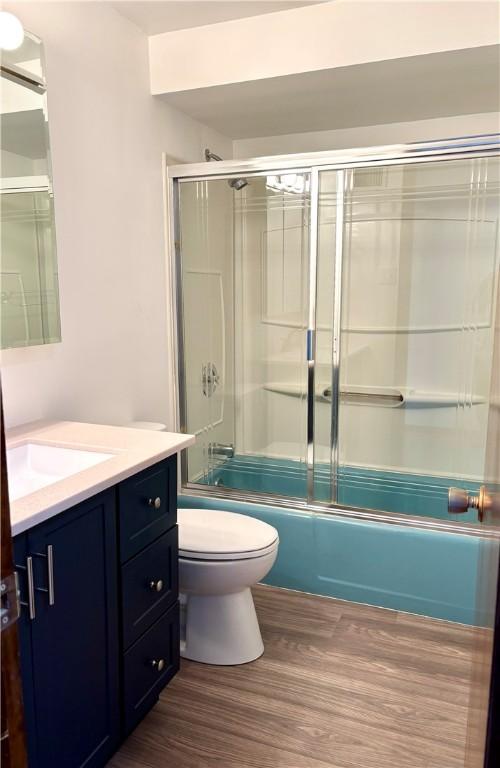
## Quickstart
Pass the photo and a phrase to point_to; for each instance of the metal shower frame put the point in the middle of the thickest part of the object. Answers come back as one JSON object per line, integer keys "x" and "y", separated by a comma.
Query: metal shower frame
{"x": 312, "y": 163}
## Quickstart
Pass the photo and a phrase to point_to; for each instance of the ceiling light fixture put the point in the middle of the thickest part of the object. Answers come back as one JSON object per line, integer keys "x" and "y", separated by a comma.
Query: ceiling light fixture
{"x": 11, "y": 32}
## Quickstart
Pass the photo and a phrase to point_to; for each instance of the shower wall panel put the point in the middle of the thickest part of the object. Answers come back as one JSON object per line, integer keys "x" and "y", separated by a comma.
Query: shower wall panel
{"x": 271, "y": 256}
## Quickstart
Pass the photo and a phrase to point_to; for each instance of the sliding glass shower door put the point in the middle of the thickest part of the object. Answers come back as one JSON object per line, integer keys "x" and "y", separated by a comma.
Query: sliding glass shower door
{"x": 336, "y": 331}
{"x": 244, "y": 261}
{"x": 406, "y": 261}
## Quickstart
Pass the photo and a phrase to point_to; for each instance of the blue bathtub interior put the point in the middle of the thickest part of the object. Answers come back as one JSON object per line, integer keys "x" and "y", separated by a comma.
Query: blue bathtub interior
{"x": 401, "y": 492}
{"x": 405, "y": 568}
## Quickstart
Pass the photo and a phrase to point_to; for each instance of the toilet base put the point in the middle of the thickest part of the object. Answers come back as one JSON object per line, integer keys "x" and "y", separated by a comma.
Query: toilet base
{"x": 220, "y": 629}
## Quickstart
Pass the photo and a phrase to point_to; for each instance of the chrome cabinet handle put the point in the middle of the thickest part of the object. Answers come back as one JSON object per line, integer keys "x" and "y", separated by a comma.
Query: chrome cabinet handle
{"x": 49, "y": 557}
{"x": 155, "y": 503}
{"x": 156, "y": 585}
{"x": 158, "y": 664}
{"x": 31, "y": 588}
{"x": 50, "y": 573}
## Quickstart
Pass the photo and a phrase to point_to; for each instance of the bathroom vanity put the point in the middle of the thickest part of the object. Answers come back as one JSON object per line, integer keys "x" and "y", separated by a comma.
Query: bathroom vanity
{"x": 99, "y": 627}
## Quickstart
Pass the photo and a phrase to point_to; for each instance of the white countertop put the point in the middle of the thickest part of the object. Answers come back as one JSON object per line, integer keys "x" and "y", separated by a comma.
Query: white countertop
{"x": 133, "y": 449}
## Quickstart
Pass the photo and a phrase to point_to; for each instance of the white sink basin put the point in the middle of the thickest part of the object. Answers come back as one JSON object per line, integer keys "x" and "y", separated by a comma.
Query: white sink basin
{"x": 32, "y": 466}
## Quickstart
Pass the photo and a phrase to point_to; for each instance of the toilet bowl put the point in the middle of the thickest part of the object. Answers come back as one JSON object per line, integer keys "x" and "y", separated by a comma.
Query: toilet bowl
{"x": 221, "y": 555}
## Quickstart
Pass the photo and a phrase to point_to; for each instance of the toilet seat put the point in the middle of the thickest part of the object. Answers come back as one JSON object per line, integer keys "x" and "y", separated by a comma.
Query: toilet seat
{"x": 210, "y": 534}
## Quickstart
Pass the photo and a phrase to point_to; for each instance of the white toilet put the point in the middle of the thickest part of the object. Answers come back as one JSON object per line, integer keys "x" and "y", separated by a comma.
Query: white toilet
{"x": 221, "y": 555}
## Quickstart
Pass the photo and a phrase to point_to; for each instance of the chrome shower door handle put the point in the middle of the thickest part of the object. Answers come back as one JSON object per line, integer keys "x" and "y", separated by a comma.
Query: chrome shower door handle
{"x": 460, "y": 501}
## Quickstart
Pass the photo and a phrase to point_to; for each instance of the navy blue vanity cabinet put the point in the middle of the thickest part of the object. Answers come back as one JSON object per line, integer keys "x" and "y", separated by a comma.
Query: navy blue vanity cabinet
{"x": 70, "y": 647}
{"x": 99, "y": 627}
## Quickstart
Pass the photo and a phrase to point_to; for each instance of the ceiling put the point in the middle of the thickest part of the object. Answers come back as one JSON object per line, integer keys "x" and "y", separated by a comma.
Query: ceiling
{"x": 156, "y": 16}
{"x": 398, "y": 90}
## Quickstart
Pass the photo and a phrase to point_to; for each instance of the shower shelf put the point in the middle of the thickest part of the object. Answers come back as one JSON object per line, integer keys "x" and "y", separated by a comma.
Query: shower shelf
{"x": 385, "y": 397}
{"x": 25, "y": 184}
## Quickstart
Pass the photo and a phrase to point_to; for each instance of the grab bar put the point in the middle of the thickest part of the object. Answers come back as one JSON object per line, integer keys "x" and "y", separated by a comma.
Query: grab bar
{"x": 351, "y": 396}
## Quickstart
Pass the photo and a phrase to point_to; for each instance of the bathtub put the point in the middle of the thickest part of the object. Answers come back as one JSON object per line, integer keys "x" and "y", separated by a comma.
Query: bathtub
{"x": 401, "y": 567}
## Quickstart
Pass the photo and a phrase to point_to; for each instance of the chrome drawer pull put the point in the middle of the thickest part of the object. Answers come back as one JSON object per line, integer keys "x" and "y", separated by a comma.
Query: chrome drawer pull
{"x": 156, "y": 586}
{"x": 155, "y": 503}
{"x": 158, "y": 664}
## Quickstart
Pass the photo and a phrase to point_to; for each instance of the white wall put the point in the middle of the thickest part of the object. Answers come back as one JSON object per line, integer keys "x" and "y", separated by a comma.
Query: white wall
{"x": 107, "y": 134}
{"x": 369, "y": 136}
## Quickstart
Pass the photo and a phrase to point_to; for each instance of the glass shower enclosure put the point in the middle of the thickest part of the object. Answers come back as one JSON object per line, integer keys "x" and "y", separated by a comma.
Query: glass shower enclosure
{"x": 334, "y": 314}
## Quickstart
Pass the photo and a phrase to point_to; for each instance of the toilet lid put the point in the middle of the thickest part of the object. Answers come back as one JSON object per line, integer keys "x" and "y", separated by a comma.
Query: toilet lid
{"x": 211, "y": 534}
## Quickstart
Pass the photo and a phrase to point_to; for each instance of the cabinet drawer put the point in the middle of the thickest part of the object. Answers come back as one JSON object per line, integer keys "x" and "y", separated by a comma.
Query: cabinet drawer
{"x": 147, "y": 506}
{"x": 143, "y": 677}
{"x": 150, "y": 584}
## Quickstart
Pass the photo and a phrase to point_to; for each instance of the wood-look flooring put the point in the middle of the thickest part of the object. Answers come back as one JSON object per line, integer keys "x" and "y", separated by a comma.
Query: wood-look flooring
{"x": 340, "y": 685}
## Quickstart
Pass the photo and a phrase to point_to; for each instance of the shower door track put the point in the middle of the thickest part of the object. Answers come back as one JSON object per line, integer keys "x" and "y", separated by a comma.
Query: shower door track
{"x": 313, "y": 163}
{"x": 456, "y": 149}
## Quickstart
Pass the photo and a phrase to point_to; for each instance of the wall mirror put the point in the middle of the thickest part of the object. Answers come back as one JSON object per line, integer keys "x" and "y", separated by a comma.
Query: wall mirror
{"x": 29, "y": 285}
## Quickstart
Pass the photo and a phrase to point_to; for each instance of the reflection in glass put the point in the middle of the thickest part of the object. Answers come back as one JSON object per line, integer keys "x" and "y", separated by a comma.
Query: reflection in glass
{"x": 29, "y": 291}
